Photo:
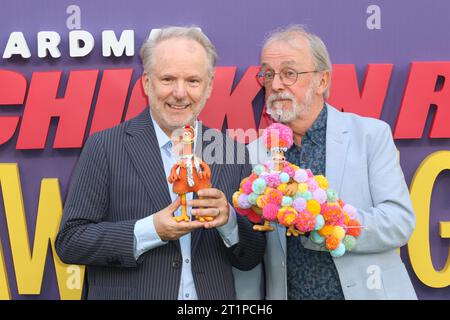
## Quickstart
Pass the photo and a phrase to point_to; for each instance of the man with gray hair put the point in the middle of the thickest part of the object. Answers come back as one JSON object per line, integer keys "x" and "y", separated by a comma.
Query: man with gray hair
{"x": 119, "y": 214}
{"x": 359, "y": 158}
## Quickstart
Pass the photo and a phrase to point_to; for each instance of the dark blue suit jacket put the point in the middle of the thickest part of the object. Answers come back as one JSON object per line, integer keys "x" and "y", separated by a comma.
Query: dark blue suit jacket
{"x": 120, "y": 179}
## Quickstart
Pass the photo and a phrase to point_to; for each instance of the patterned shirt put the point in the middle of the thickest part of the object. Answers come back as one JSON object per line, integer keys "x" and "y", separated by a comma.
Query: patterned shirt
{"x": 311, "y": 274}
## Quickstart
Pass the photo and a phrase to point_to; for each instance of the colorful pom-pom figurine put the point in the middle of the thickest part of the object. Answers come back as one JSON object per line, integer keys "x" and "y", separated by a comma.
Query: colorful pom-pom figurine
{"x": 189, "y": 174}
{"x": 281, "y": 192}
{"x": 278, "y": 139}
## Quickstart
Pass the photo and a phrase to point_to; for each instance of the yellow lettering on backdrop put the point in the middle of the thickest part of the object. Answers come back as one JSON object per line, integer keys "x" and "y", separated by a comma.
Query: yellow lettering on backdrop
{"x": 29, "y": 268}
{"x": 419, "y": 244}
{"x": 4, "y": 285}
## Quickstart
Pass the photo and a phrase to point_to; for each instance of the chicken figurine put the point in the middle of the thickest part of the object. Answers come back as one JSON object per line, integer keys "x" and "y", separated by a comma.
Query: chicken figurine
{"x": 189, "y": 174}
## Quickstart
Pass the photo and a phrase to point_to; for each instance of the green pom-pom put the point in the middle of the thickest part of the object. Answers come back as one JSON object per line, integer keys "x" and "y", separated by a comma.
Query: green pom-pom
{"x": 258, "y": 186}
{"x": 252, "y": 198}
{"x": 316, "y": 238}
{"x": 258, "y": 169}
{"x": 286, "y": 201}
{"x": 332, "y": 195}
{"x": 349, "y": 242}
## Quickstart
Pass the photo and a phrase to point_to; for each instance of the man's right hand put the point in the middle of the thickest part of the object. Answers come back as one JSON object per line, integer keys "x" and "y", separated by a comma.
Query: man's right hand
{"x": 167, "y": 228}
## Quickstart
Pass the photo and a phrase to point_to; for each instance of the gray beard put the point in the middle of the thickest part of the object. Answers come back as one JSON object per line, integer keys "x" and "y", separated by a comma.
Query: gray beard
{"x": 297, "y": 110}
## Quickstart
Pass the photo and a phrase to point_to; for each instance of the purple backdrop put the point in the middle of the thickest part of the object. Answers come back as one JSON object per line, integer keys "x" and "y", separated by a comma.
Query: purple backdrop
{"x": 411, "y": 31}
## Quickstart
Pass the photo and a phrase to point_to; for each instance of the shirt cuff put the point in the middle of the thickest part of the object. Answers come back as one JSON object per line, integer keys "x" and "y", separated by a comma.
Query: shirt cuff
{"x": 229, "y": 231}
{"x": 145, "y": 236}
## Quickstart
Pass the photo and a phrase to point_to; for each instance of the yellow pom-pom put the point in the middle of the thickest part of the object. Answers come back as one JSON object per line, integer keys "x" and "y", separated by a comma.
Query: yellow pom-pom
{"x": 322, "y": 181}
{"x": 346, "y": 218}
{"x": 280, "y": 213}
{"x": 339, "y": 233}
{"x": 282, "y": 187}
{"x": 326, "y": 231}
{"x": 260, "y": 202}
{"x": 235, "y": 199}
{"x": 313, "y": 206}
{"x": 295, "y": 167}
{"x": 302, "y": 187}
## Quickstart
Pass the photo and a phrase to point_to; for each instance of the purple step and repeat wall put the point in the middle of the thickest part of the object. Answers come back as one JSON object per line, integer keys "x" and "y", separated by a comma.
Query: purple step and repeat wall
{"x": 357, "y": 32}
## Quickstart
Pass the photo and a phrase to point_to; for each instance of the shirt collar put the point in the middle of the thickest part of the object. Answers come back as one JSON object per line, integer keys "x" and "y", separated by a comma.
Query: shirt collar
{"x": 317, "y": 132}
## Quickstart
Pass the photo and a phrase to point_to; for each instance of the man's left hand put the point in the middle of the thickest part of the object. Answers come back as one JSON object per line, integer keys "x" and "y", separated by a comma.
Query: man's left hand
{"x": 213, "y": 204}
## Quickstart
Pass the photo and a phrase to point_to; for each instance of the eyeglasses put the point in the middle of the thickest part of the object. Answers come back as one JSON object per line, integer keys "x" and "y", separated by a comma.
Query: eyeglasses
{"x": 288, "y": 76}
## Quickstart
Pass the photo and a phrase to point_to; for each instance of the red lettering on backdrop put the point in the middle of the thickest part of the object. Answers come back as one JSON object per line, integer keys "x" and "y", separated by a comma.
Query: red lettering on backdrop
{"x": 345, "y": 94}
{"x": 138, "y": 100}
{"x": 420, "y": 93}
{"x": 237, "y": 105}
{"x": 111, "y": 99}
{"x": 13, "y": 86}
{"x": 72, "y": 110}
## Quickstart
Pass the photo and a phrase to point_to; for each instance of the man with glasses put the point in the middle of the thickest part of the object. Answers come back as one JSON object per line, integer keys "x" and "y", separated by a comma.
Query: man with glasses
{"x": 359, "y": 158}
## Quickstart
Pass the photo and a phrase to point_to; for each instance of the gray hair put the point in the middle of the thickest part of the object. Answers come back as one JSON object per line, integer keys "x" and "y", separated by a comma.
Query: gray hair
{"x": 191, "y": 33}
{"x": 319, "y": 52}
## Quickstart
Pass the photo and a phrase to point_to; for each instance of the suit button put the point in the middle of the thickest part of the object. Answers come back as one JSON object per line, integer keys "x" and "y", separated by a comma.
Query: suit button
{"x": 176, "y": 264}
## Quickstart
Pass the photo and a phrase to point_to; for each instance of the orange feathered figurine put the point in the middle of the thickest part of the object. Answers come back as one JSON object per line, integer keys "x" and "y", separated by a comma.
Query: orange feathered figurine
{"x": 189, "y": 174}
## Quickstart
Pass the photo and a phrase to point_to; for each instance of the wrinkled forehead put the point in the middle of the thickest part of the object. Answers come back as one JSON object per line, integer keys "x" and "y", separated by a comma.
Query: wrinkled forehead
{"x": 286, "y": 53}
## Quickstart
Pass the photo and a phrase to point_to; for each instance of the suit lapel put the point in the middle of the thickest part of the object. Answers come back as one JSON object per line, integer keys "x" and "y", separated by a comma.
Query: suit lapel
{"x": 281, "y": 230}
{"x": 337, "y": 143}
{"x": 142, "y": 147}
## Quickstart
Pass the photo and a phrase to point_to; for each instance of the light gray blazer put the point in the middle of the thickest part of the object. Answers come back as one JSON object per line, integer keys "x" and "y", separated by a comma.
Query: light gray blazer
{"x": 362, "y": 166}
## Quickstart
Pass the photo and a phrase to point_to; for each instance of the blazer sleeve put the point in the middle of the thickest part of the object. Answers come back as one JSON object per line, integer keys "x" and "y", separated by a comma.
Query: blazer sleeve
{"x": 390, "y": 222}
{"x": 85, "y": 237}
{"x": 249, "y": 251}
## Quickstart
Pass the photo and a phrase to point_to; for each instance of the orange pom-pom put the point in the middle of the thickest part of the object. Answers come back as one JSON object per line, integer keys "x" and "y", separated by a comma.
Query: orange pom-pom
{"x": 354, "y": 228}
{"x": 332, "y": 243}
{"x": 235, "y": 199}
{"x": 326, "y": 230}
{"x": 286, "y": 216}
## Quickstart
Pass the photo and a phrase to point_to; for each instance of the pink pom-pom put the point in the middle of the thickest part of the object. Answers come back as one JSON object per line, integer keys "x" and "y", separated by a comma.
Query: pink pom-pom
{"x": 333, "y": 215}
{"x": 270, "y": 212}
{"x": 278, "y": 135}
{"x": 312, "y": 184}
{"x": 320, "y": 195}
{"x": 300, "y": 175}
{"x": 299, "y": 204}
{"x": 351, "y": 210}
{"x": 305, "y": 221}
{"x": 247, "y": 187}
{"x": 273, "y": 180}
{"x": 289, "y": 170}
{"x": 264, "y": 175}
{"x": 274, "y": 196}
{"x": 309, "y": 173}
